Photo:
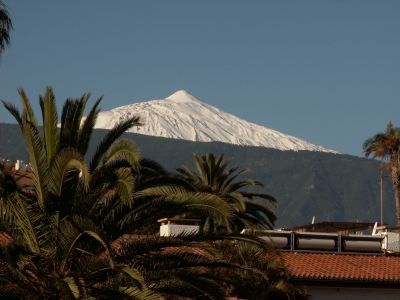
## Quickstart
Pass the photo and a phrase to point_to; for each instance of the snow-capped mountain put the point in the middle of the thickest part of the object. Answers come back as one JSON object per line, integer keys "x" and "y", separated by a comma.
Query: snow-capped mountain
{"x": 183, "y": 116}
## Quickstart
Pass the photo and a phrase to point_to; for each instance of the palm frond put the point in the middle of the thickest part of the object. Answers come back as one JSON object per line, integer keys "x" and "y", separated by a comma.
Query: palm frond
{"x": 262, "y": 212}
{"x": 86, "y": 129}
{"x": 269, "y": 198}
{"x": 71, "y": 117}
{"x": 151, "y": 167}
{"x": 50, "y": 119}
{"x": 110, "y": 138}
{"x": 193, "y": 286}
{"x": 124, "y": 149}
{"x": 67, "y": 162}
{"x": 38, "y": 161}
{"x": 72, "y": 231}
{"x": 188, "y": 173}
{"x": 125, "y": 184}
{"x": 27, "y": 113}
{"x": 25, "y": 220}
{"x": 75, "y": 123}
{"x": 134, "y": 276}
{"x": 13, "y": 110}
{"x": 229, "y": 180}
{"x": 66, "y": 115}
{"x": 238, "y": 201}
{"x": 68, "y": 286}
{"x": 215, "y": 178}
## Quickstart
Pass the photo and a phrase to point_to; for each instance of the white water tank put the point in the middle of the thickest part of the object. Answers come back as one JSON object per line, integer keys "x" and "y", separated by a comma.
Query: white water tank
{"x": 315, "y": 244}
{"x": 276, "y": 241}
{"x": 362, "y": 246}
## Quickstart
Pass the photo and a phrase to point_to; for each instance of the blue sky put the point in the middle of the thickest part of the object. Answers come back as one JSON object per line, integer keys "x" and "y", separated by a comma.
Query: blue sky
{"x": 327, "y": 72}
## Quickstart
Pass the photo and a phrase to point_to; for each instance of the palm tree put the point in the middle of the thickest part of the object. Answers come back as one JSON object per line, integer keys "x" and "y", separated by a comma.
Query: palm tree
{"x": 67, "y": 233}
{"x": 213, "y": 177}
{"x": 264, "y": 272}
{"x": 5, "y": 27}
{"x": 386, "y": 145}
{"x": 157, "y": 194}
{"x": 184, "y": 265}
{"x": 188, "y": 265}
{"x": 57, "y": 250}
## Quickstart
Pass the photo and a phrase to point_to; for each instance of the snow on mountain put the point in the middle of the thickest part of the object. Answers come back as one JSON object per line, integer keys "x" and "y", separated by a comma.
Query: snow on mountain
{"x": 183, "y": 116}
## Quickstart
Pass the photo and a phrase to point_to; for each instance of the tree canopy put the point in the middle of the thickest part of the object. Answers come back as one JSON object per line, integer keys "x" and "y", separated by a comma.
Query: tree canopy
{"x": 5, "y": 27}
{"x": 75, "y": 233}
{"x": 386, "y": 146}
{"x": 215, "y": 178}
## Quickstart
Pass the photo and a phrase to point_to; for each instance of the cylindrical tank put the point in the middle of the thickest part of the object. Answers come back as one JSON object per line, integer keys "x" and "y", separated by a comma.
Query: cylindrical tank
{"x": 276, "y": 241}
{"x": 315, "y": 244}
{"x": 362, "y": 246}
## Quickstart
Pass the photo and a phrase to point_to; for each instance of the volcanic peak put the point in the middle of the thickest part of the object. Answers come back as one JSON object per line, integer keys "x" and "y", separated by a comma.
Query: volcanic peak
{"x": 182, "y": 96}
{"x": 183, "y": 116}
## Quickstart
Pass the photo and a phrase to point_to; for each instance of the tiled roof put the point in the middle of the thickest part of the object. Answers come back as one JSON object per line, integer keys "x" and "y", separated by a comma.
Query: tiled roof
{"x": 170, "y": 296}
{"x": 127, "y": 238}
{"x": 4, "y": 238}
{"x": 166, "y": 250}
{"x": 342, "y": 267}
{"x": 24, "y": 179}
{"x": 185, "y": 249}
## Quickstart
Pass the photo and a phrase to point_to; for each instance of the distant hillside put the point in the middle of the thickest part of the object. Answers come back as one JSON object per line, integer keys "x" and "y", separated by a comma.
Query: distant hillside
{"x": 331, "y": 187}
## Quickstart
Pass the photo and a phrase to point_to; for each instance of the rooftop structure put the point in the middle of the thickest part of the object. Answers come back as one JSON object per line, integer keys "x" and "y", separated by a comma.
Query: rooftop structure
{"x": 326, "y": 242}
{"x": 335, "y": 264}
{"x": 336, "y": 237}
{"x": 175, "y": 227}
{"x": 334, "y": 227}
{"x": 392, "y": 237}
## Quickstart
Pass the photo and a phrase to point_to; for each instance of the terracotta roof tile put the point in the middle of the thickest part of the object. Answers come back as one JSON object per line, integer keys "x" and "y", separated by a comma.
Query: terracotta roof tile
{"x": 185, "y": 249}
{"x": 325, "y": 266}
{"x": 127, "y": 238}
{"x": 4, "y": 238}
{"x": 24, "y": 179}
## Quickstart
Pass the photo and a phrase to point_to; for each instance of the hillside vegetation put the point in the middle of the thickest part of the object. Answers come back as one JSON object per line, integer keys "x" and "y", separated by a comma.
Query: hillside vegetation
{"x": 331, "y": 187}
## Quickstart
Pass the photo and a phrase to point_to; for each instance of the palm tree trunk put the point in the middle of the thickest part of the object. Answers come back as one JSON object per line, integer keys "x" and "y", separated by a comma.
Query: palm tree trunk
{"x": 396, "y": 183}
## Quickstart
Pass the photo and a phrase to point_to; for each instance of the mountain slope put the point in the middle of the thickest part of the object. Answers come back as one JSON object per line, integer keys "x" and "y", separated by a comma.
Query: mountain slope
{"x": 331, "y": 187}
{"x": 183, "y": 116}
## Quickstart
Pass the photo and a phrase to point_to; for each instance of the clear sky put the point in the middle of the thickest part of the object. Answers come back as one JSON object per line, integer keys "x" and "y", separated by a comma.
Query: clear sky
{"x": 327, "y": 72}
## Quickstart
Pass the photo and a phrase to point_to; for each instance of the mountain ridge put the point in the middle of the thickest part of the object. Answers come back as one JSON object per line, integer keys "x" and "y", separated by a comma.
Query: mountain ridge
{"x": 183, "y": 116}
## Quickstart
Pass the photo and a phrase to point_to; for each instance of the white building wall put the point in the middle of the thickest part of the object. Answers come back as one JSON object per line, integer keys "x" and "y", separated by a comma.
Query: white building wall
{"x": 164, "y": 230}
{"x": 393, "y": 241}
{"x": 332, "y": 293}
